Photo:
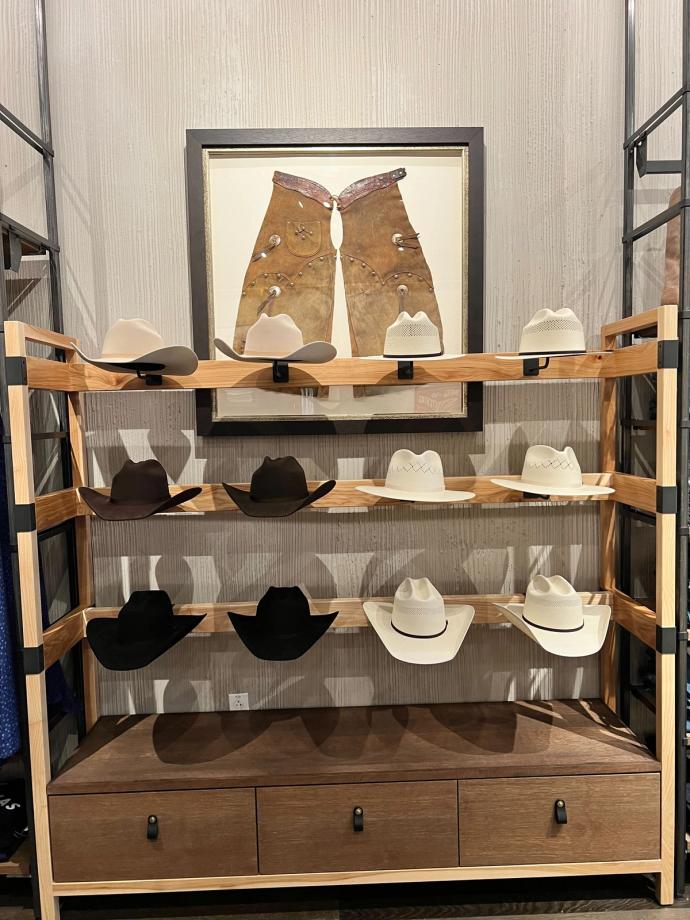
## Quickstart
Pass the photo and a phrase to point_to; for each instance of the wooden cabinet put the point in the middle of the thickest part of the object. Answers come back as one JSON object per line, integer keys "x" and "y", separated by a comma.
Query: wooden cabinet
{"x": 312, "y": 828}
{"x": 513, "y": 821}
{"x": 197, "y": 834}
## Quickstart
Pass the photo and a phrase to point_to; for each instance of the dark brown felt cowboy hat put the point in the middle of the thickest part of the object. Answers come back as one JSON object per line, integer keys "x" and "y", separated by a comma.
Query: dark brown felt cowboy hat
{"x": 283, "y": 628}
{"x": 138, "y": 491}
{"x": 278, "y": 488}
{"x": 144, "y": 628}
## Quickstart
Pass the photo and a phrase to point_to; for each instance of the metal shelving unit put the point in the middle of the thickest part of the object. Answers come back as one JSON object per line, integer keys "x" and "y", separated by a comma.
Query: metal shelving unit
{"x": 636, "y": 160}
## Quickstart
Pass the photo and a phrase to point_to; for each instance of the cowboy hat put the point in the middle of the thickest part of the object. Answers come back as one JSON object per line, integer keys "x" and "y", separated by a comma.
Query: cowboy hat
{"x": 136, "y": 346}
{"x": 143, "y": 629}
{"x": 278, "y": 338}
{"x": 412, "y": 337}
{"x": 416, "y": 478}
{"x": 550, "y": 333}
{"x": 278, "y": 489}
{"x": 554, "y": 616}
{"x": 283, "y": 629}
{"x": 547, "y": 471}
{"x": 417, "y": 627}
{"x": 138, "y": 491}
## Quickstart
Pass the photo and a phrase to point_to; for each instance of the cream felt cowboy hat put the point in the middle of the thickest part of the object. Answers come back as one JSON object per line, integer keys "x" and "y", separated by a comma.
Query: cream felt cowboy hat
{"x": 550, "y": 333}
{"x": 135, "y": 345}
{"x": 412, "y": 337}
{"x": 417, "y": 627}
{"x": 416, "y": 478}
{"x": 547, "y": 471}
{"x": 278, "y": 338}
{"x": 554, "y": 616}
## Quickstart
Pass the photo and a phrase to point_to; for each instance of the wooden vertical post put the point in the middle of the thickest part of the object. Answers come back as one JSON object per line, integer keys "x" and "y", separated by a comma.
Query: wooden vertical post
{"x": 608, "y": 657}
{"x": 80, "y": 477}
{"x": 30, "y": 597}
{"x": 667, "y": 330}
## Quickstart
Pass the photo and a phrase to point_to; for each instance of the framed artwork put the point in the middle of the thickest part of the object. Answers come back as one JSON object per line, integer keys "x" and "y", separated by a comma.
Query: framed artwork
{"x": 338, "y": 232}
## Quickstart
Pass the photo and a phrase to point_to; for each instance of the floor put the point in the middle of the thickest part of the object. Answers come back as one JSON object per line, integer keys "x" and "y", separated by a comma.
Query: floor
{"x": 621, "y": 898}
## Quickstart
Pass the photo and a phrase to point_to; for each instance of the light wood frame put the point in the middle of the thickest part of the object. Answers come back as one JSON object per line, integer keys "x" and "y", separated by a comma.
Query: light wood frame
{"x": 651, "y": 627}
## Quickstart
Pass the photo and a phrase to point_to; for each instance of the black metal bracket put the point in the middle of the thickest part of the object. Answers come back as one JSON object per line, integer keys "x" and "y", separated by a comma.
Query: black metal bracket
{"x": 405, "y": 370}
{"x": 281, "y": 372}
{"x": 559, "y": 812}
{"x": 12, "y": 251}
{"x": 532, "y": 366}
{"x": 668, "y": 352}
{"x": 151, "y": 380}
{"x": 653, "y": 167}
{"x": 358, "y": 819}
{"x": 15, "y": 371}
{"x": 25, "y": 518}
{"x": 33, "y": 659}
{"x": 666, "y": 640}
{"x": 666, "y": 499}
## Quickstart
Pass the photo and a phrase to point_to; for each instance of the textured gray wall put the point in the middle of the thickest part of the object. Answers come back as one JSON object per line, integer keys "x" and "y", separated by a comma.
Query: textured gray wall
{"x": 544, "y": 78}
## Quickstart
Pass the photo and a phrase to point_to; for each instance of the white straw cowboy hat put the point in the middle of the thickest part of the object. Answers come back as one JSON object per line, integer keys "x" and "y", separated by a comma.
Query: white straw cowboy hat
{"x": 551, "y": 333}
{"x": 417, "y": 627}
{"x": 547, "y": 471}
{"x": 411, "y": 337}
{"x": 278, "y": 338}
{"x": 135, "y": 345}
{"x": 554, "y": 616}
{"x": 416, "y": 478}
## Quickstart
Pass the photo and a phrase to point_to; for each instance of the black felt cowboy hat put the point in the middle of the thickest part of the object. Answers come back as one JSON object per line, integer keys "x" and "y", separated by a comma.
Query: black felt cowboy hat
{"x": 138, "y": 491}
{"x": 144, "y": 629}
{"x": 283, "y": 629}
{"x": 278, "y": 488}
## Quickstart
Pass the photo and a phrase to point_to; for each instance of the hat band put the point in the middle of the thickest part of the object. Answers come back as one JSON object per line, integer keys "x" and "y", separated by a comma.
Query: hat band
{"x": 560, "y": 351}
{"x": 415, "y": 636}
{"x": 411, "y": 357}
{"x": 553, "y": 628}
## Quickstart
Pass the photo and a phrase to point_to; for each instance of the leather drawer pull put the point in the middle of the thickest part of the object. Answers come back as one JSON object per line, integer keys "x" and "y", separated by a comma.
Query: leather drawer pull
{"x": 560, "y": 813}
{"x": 358, "y": 819}
{"x": 152, "y": 828}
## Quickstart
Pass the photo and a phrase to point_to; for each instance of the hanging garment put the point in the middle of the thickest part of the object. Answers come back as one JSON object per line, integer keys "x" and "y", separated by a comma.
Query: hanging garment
{"x": 9, "y": 716}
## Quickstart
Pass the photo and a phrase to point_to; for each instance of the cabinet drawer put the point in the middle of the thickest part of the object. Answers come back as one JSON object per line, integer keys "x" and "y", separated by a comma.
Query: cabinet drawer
{"x": 513, "y": 821}
{"x": 311, "y": 828}
{"x": 201, "y": 833}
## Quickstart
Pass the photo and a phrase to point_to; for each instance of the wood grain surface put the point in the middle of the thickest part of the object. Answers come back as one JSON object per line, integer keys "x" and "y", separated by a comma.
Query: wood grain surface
{"x": 351, "y": 745}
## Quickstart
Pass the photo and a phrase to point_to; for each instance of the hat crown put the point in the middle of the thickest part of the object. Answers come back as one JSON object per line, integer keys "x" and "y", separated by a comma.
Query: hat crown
{"x": 412, "y": 335}
{"x": 553, "y": 330}
{"x": 273, "y": 336}
{"x": 546, "y": 466}
{"x": 131, "y": 337}
{"x": 412, "y": 472}
{"x": 145, "y": 482}
{"x": 146, "y": 615}
{"x": 280, "y": 478}
{"x": 283, "y": 610}
{"x": 418, "y": 609}
{"x": 553, "y": 603}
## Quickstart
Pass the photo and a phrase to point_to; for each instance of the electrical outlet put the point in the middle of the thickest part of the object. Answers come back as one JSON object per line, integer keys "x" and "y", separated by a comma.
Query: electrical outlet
{"x": 238, "y": 701}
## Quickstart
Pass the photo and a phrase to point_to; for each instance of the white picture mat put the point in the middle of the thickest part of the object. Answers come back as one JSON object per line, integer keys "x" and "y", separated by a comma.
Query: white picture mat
{"x": 239, "y": 186}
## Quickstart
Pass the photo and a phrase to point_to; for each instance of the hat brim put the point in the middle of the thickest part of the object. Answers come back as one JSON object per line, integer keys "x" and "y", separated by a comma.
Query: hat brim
{"x": 279, "y": 646}
{"x": 272, "y": 509}
{"x": 519, "y": 485}
{"x": 520, "y": 356}
{"x": 104, "y": 507}
{"x": 177, "y": 360}
{"x": 443, "y": 357}
{"x": 419, "y": 650}
{"x": 313, "y": 353}
{"x": 445, "y": 497}
{"x": 586, "y": 641}
{"x": 115, "y": 655}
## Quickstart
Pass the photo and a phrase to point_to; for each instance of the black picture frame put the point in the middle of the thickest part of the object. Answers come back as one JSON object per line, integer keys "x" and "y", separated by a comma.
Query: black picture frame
{"x": 200, "y": 140}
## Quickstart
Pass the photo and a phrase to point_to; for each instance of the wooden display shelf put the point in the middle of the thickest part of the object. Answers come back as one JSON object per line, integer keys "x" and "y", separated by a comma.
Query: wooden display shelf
{"x": 18, "y": 865}
{"x": 351, "y": 745}
{"x": 55, "y": 507}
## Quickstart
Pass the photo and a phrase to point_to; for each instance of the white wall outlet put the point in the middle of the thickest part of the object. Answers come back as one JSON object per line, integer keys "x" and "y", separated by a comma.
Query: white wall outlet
{"x": 238, "y": 701}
